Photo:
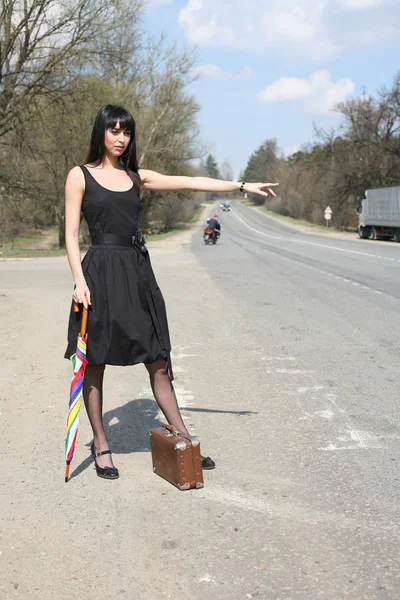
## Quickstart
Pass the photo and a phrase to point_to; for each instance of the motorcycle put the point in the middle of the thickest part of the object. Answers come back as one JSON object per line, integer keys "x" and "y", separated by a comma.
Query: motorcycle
{"x": 210, "y": 236}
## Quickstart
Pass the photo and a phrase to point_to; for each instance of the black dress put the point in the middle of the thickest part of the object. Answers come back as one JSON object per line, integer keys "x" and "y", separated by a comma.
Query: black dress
{"x": 127, "y": 319}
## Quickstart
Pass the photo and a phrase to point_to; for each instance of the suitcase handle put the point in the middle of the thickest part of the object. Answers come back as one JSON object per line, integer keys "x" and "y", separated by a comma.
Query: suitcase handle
{"x": 175, "y": 432}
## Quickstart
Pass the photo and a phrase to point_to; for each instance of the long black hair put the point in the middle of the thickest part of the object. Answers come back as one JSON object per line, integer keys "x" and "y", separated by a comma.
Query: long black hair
{"x": 107, "y": 118}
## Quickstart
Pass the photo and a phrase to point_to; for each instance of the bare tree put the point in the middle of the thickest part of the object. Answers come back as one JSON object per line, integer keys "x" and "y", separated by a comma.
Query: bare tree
{"x": 59, "y": 63}
{"x": 38, "y": 40}
{"x": 227, "y": 171}
{"x": 362, "y": 153}
{"x": 121, "y": 48}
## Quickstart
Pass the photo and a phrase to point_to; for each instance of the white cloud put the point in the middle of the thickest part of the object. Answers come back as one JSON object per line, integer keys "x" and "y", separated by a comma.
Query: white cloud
{"x": 314, "y": 29}
{"x": 284, "y": 89}
{"x": 289, "y": 150}
{"x": 204, "y": 31}
{"x": 357, "y": 4}
{"x": 216, "y": 72}
{"x": 317, "y": 94}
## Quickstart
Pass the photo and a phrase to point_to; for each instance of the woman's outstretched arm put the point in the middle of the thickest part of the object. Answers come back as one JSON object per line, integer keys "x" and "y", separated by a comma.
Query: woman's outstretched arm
{"x": 154, "y": 181}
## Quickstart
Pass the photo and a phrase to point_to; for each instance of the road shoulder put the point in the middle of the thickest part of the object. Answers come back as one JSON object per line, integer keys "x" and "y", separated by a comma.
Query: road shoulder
{"x": 332, "y": 233}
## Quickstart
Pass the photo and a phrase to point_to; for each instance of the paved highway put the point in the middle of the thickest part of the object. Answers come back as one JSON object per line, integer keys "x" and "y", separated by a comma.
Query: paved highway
{"x": 286, "y": 356}
{"x": 316, "y": 355}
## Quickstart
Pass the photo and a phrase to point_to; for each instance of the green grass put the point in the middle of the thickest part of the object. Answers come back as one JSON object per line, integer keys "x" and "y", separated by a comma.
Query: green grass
{"x": 30, "y": 253}
{"x": 23, "y": 241}
{"x": 28, "y": 246}
{"x": 197, "y": 215}
{"x": 179, "y": 227}
{"x": 158, "y": 237}
{"x": 301, "y": 222}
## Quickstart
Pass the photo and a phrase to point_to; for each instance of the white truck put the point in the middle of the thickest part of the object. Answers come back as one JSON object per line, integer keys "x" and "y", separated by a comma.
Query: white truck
{"x": 379, "y": 214}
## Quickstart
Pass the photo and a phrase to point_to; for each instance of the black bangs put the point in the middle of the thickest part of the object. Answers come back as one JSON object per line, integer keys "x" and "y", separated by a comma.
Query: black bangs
{"x": 118, "y": 114}
{"x": 109, "y": 117}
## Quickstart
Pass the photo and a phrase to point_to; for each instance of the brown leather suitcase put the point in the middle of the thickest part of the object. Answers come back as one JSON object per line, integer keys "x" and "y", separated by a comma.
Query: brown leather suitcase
{"x": 175, "y": 458}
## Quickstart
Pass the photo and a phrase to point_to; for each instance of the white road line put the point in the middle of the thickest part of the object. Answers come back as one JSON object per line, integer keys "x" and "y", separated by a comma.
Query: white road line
{"x": 179, "y": 369}
{"x": 362, "y": 440}
{"x": 293, "y": 371}
{"x": 338, "y": 277}
{"x": 315, "y": 244}
{"x": 292, "y": 358}
{"x": 181, "y": 355}
{"x": 184, "y": 397}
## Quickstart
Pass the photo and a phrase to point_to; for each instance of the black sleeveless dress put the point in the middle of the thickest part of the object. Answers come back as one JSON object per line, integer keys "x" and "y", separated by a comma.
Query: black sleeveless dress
{"x": 127, "y": 319}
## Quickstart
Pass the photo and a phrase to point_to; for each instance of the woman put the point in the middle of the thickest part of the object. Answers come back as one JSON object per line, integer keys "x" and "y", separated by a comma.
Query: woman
{"x": 127, "y": 322}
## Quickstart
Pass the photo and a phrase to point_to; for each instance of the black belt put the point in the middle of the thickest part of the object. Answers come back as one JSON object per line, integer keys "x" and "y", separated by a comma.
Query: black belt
{"x": 137, "y": 241}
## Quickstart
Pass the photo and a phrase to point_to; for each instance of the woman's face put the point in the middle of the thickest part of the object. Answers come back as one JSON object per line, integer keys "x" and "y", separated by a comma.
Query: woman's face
{"x": 116, "y": 140}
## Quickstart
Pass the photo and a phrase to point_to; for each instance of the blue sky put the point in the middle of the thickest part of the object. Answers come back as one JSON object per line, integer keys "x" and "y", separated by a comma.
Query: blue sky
{"x": 272, "y": 68}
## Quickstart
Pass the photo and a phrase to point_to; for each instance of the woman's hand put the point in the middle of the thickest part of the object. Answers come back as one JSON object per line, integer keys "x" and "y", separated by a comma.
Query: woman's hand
{"x": 81, "y": 294}
{"x": 262, "y": 189}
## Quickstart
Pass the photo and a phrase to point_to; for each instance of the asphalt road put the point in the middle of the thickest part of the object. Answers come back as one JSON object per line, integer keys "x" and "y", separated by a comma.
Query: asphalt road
{"x": 319, "y": 333}
{"x": 286, "y": 361}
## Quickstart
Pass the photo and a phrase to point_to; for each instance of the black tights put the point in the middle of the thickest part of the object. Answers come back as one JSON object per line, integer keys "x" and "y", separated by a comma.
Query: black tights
{"x": 163, "y": 391}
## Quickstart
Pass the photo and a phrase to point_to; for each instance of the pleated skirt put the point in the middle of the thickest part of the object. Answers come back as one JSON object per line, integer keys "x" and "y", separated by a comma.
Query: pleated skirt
{"x": 127, "y": 321}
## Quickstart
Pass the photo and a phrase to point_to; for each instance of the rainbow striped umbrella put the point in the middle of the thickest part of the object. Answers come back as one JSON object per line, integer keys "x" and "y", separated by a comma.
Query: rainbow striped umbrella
{"x": 79, "y": 363}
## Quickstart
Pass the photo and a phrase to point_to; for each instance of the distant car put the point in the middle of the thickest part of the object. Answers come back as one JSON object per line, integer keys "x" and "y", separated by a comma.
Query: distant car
{"x": 226, "y": 206}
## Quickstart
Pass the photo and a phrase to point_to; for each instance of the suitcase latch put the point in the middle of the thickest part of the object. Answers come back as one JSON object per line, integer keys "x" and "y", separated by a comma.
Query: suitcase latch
{"x": 180, "y": 446}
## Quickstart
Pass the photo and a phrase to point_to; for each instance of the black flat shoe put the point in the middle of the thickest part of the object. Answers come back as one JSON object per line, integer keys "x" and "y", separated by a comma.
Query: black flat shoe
{"x": 207, "y": 463}
{"x": 106, "y": 472}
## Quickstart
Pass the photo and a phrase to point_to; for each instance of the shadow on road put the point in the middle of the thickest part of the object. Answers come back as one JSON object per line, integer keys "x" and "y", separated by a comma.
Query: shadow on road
{"x": 238, "y": 413}
{"x": 127, "y": 427}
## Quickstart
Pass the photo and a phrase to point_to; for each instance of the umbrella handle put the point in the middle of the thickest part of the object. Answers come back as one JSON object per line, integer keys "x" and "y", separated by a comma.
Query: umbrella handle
{"x": 85, "y": 314}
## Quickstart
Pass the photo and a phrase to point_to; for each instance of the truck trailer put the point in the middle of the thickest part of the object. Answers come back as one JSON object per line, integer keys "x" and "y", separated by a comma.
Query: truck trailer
{"x": 379, "y": 214}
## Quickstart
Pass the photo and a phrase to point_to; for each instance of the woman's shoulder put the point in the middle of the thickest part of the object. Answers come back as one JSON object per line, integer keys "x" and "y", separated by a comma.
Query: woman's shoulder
{"x": 76, "y": 176}
{"x": 77, "y": 170}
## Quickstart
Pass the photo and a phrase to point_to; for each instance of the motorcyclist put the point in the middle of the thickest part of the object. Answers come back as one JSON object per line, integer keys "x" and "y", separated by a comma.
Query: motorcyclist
{"x": 215, "y": 225}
